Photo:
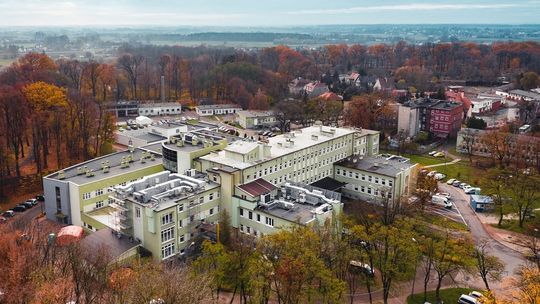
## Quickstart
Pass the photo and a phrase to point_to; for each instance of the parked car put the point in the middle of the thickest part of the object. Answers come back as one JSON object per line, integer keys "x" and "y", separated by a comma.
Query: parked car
{"x": 439, "y": 154}
{"x": 19, "y": 208}
{"x": 432, "y": 173}
{"x": 450, "y": 181}
{"x": 439, "y": 176}
{"x": 456, "y": 183}
{"x": 363, "y": 267}
{"x": 27, "y": 204}
{"x": 472, "y": 190}
{"x": 476, "y": 294}
{"x": 8, "y": 214}
{"x": 466, "y": 299}
{"x": 32, "y": 201}
{"x": 444, "y": 194}
{"x": 463, "y": 185}
{"x": 432, "y": 153}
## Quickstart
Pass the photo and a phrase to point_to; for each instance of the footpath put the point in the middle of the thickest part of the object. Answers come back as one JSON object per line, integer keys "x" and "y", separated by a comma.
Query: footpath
{"x": 513, "y": 240}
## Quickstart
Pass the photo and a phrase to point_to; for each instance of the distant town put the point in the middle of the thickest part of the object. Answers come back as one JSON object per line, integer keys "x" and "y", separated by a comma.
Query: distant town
{"x": 316, "y": 164}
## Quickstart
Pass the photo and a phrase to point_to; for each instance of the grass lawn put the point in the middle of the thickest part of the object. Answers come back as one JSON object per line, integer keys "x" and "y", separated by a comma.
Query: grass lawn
{"x": 464, "y": 172}
{"x": 513, "y": 225}
{"x": 449, "y": 295}
{"x": 424, "y": 160}
{"x": 443, "y": 222}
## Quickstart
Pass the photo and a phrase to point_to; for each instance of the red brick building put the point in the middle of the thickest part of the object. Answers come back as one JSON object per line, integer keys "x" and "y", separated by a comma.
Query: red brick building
{"x": 445, "y": 118}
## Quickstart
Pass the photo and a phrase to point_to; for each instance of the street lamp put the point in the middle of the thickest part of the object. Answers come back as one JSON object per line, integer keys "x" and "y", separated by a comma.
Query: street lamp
{"x": 415, "y": 267}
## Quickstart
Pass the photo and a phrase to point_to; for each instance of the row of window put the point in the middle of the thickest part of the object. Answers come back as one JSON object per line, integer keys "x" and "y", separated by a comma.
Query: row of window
{"x": 256, "y": 217}
{"x": 168, "y": 218}
{"x": 364, "y": 177}
{"x": 99, "y": 192}
{"x": 146, "y": 111}
{"x": 249, "y": 230}
{"x": 369, "y": 190}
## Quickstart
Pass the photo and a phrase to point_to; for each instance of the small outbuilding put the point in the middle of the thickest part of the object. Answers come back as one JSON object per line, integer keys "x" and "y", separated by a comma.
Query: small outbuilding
{"x": 481, "y": 203}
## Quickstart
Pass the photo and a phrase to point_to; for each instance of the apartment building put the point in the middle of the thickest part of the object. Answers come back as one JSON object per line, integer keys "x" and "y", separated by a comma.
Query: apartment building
{"x": 442, "y": 118}
{"x": 164, "y": 211}
{"x": 375, "y": 178}
{"x": 75, "y": 195}
{"x": 260, "y": 208}
{"x": 160, "y": 108}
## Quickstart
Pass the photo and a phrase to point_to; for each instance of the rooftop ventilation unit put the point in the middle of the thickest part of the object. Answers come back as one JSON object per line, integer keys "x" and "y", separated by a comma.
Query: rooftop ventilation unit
{"x": 314, "y": 137}
{"x": 106, "y": 169}
{"x": 89, "y": 173}
{"x": 80, "y": 170}
{"x": 61, "y": 174}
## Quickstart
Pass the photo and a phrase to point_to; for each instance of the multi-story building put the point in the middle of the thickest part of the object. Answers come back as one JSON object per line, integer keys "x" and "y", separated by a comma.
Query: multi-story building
{"x": 440, "y": 117}
{"x": 315, "y": 89}
{"x": 180, "y": 151}
{"x": 260, "y": 208}
{"x": 163, "y": 211}
{"x": 375, "y": 178}
{"x": 78, "y": 194}
{"x": 217, "y": 109}
{"x": 252, "y": 119}
{"x": 515, "y": 147}
{"x": 306, "y": 155}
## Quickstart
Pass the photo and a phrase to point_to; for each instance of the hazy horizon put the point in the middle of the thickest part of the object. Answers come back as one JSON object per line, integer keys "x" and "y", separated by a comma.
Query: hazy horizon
{"x": 278, "y": 13}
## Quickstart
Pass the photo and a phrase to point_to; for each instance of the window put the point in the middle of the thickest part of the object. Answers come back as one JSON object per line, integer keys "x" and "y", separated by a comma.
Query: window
{"x": 248, "y": 229}
{"x": 182, "y": 238}
{"x": 167, "y": 250}
{"x": 167, "y": 234}
{"x": 241, "y": 227}
{"x": 86, "y": 196}
{"x": 201, "y": 199}
{"x": 250, "y": 215}
{"x": 180, "y": 207}
{"x": 99, "y": 204}
{"x": 99, "y": 192}
{"x": 241, "y": 212}
{"x": 58, "y": 199}
{"x": 270, "y": 221}
{"x": 211, "y": 211}
{"x": 211, "y": 195}
{"x": 258, "y": 218}
{"x": 167, "y": 219}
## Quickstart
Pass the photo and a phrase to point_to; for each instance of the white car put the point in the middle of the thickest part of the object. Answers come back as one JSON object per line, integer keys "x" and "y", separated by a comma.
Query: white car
{"x": 432, "y": 173}
{"x": 444, "y": 194}
{"x": 472, "y": 190}
{"x": 432, "y": 153}
{"x": 476, "y": 294}
{"x": 439, "y": 176}
{"x": 450, "y": 181}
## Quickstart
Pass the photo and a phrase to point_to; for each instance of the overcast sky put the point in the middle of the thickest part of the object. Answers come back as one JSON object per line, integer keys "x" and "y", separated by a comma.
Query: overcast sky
{"x": 264, "y": 12}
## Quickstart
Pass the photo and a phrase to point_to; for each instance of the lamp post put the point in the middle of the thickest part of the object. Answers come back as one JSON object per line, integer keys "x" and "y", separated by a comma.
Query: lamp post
{"x": 415, "y": 267}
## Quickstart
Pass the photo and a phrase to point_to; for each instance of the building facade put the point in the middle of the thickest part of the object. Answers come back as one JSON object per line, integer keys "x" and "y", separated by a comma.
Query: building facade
{"x": 159, "y": 109}
{"x": 217, "y": 109}
{"x": 253, "y": 119}
{"x": 375, "y": 178}
{"x": 439, "y": 117}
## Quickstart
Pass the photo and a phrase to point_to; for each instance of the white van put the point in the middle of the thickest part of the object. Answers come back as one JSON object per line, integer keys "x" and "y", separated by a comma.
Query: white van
{"x": 441, "y": 200}
{"x": 465, "y": 299}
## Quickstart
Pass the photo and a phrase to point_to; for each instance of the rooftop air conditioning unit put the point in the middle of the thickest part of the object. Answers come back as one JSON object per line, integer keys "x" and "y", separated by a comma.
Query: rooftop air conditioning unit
{"x": 80, "y": 170}
{"x": 61, "y": 174}
{"x": 191, "y": 172}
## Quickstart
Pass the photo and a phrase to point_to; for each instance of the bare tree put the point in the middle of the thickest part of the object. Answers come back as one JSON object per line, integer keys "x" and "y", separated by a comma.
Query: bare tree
{"x": 488, "y": 267}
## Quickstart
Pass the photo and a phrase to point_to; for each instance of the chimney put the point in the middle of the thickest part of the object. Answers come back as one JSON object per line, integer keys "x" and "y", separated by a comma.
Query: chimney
{"x": 162, "y": 86}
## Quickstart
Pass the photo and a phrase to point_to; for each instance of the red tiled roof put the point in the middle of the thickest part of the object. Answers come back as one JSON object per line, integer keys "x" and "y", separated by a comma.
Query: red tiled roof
{"x": 257, "y": 187}
{"x": 330, "y": 96}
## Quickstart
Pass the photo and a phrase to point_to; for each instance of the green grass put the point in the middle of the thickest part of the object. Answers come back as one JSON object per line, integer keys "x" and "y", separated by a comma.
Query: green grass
{"x": 513, "y": 225}
{"x": 464, "y": 172}
{"x": 448, "y": 295}
{"x": 444, "y": 222}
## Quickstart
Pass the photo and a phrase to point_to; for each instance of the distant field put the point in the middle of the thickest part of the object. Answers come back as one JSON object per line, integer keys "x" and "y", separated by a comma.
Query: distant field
{"x": 6, "y": 62}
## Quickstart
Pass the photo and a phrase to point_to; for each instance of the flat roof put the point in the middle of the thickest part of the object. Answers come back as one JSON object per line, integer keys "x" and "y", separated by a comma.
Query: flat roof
{"x": 159, "y": 105}
{"x": 252, "y": 113}
{"x": 107, "y": 240}
{"x": 328, "y": 183}
{"x": 114, "y": 160}
{"x": 383, "y": 164}
{"x": 529, "y": 94}
{"x": 150, "y": 137}
{"x": 302, "y": 139}
{"x": 219, "y": 106}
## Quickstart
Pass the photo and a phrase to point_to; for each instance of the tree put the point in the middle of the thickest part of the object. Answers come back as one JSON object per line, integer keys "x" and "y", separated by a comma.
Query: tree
{"x": 451, "y": 256}
{"x": 529, "y": 80}
{"x": 469, "y": 142}
{"x": 528, "y": 286}
{"x": 476, "y": 123}
{"x": 497, "y": 186}
{"x": 426, "y": 186}
{"x": 488, "y": 267}
{"x": 131, "y": 64}
{"x": 524, "y": 193}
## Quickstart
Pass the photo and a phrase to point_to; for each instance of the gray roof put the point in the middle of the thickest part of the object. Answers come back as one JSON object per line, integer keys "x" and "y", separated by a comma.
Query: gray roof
{"x": 150, "y": 138}
{"x": 528, "y": 94}
{"x": 219, "y": 106}
{"x": 383, "y": 164}
{"x": 106, "y": 240}
{"x": 114, "y": 160}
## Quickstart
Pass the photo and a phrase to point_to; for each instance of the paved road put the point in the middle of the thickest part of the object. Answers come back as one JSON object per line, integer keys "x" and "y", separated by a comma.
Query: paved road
{"x": 511, "y": 258}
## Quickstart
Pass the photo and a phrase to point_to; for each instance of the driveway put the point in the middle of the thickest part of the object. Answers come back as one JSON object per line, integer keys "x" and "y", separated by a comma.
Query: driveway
{"x": 510, "y": 257}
